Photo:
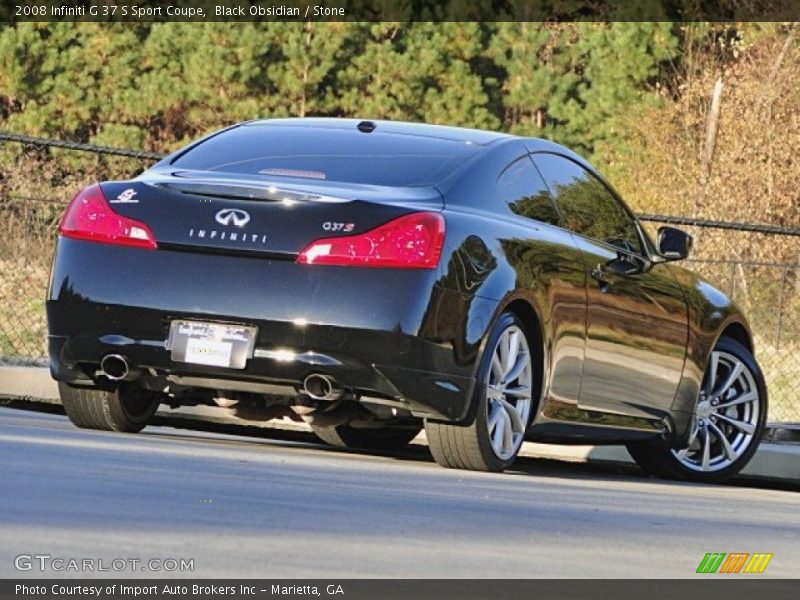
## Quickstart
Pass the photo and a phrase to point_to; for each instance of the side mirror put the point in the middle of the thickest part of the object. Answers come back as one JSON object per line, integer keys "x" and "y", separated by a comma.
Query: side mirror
{"x": 673, "y": 243}
{"x": 626, "y": 265}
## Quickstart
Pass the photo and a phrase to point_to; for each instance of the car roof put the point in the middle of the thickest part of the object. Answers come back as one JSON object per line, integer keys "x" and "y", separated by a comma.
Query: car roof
{"x": 442, "y": 132}
{"x": 541, "y": 145}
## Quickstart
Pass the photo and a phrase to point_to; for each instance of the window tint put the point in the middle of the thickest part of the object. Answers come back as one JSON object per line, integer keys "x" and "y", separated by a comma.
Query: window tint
{"x": 331, "y": 154}
{"x": 522, "y": 188}
{"x": 587, "y": 207}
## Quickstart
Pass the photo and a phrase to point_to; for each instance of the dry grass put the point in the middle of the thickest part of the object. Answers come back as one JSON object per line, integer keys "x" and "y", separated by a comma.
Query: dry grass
{"x": 23, "y": 326}
{"x": 781, "y": 365}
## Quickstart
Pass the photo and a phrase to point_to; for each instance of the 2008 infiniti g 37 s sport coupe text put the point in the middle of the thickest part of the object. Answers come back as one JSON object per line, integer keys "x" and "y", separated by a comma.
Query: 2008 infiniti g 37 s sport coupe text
{"x": 373, "y": 278}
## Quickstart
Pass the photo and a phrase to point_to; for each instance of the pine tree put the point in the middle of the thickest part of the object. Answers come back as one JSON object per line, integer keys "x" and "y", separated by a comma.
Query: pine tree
{"x": 303, "y": 61}
{"x": 536, "y": 72}
{"x": 418, "y": 72}
{"x": 614, "y": 64}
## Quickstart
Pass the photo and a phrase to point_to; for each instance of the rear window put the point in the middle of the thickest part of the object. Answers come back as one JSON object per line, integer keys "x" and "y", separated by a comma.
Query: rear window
{"x": 328, "y": 155}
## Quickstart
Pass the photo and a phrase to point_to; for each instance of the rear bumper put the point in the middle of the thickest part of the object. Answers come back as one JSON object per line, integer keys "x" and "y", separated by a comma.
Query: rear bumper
{"x": 388, "y": 333}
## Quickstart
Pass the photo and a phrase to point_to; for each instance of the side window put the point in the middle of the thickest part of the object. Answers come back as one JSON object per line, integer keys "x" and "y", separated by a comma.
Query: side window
{"x": 586, "y": 205}
{"x": 521, "y": 187}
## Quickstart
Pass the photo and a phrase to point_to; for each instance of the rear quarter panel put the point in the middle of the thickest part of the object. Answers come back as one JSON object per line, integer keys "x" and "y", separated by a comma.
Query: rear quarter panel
{"x": 493, "y": 258}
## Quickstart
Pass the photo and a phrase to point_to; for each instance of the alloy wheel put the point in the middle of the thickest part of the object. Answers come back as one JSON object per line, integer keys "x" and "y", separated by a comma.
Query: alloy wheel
{"x": 726, "y": 417}
{"x": 509, "y": 393}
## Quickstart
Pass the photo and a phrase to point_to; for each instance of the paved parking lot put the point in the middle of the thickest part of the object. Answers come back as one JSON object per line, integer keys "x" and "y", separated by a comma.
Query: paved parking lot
{"x": 287, "y": 507}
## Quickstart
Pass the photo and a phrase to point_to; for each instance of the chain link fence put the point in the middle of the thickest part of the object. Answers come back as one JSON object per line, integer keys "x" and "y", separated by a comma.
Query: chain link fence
{"x": 757, "y": 265}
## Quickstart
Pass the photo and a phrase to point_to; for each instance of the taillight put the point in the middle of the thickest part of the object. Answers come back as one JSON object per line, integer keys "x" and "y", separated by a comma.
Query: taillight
{"x": 89, "y": 217}
{"x": 410, "y": 242}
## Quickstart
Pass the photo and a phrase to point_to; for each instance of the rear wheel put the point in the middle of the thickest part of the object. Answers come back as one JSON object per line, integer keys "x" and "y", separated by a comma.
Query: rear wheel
{"x": 383, "y": 439}
{"x": 493, "y": 440}
{"x": 128, "y": 409}
{"x": 726, "y": 427}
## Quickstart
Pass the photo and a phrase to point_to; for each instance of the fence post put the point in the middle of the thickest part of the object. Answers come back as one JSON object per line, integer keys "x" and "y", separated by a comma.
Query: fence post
{"x": 712, "y": 126}
{"x": 780, "y": 310}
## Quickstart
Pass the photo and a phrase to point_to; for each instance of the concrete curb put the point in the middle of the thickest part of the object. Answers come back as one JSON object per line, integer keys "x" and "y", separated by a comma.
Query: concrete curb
{"x": 28, "y": 383}
{"x": 773, "y": 461}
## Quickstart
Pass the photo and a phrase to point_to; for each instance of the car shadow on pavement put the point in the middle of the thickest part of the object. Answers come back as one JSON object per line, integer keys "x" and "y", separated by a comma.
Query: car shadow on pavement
{"x": 416, "y": 452}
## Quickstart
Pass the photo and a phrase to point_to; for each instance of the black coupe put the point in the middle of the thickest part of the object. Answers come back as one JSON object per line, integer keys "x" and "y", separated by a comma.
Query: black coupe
{"x": 375, "y": 278}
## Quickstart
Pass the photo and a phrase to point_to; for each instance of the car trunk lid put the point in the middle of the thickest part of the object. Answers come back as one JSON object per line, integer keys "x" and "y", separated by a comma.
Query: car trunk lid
{"x": 211, "y": 212}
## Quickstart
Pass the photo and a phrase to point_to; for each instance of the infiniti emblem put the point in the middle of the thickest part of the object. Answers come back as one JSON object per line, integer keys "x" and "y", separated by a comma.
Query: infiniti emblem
{"x": 232, "y": 216}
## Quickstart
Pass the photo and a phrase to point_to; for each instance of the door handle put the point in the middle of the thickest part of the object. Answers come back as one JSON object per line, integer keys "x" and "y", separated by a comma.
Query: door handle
{"x": 602, "y": 277}
{"x": 600, "y": 274}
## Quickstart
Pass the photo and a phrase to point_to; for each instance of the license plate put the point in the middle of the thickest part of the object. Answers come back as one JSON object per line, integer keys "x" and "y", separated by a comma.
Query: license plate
{"x": 212, "y": 344}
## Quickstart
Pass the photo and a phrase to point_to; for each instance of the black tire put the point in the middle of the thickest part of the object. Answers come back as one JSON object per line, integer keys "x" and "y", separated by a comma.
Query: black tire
{"x": 384, "y": 439}
{"x": 656, "y": 456}
{"x": 127, "y": 410}
{"x": 468, "y": 446}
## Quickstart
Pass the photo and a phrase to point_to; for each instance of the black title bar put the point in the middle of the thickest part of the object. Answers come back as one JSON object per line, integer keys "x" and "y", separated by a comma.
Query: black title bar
{"x": 708, "y": 587}
{"x": 400, "y": 10}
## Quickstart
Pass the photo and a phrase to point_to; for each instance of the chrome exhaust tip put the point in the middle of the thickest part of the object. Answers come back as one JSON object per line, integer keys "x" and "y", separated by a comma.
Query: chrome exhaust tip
{"x": 321, "y": 387}
{"x": 116, "y": 368}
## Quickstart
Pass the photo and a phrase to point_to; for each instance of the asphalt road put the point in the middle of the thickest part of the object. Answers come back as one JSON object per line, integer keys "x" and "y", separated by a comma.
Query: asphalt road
{"x": 254, "y": 507}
